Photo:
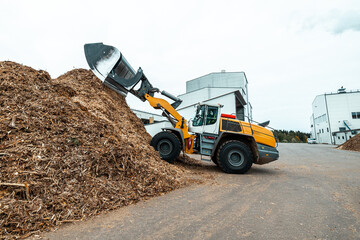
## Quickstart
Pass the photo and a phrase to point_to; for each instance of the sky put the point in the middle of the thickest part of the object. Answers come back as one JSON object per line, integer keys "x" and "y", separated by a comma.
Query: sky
{"x": 290, "y": 51}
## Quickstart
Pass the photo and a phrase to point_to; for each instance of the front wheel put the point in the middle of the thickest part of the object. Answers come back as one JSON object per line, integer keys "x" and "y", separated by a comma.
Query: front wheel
{"x": 235, "y": 157}
{"x": 167, "y": 144}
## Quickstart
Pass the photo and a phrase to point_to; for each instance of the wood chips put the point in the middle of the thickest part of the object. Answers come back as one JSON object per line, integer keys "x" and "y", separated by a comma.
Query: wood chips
{"x": 352, "y": 144}
{"x": 70, "y": 148}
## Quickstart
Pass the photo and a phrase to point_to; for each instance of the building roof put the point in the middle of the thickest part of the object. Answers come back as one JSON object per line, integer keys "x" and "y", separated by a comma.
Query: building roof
{"x": 236, "y": 92}
{"x": 342, "y": 93}
{"x": 337, "y": 93}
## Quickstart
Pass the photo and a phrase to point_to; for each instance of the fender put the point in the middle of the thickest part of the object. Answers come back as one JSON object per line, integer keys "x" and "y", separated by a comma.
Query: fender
{"x": 180, "y": 135}
{"x": 225, "y": 136}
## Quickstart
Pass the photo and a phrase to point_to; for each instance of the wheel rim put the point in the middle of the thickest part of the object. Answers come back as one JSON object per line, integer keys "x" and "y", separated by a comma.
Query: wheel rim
{"x": 236, "y": 158}
{"x": 165, "y": 147}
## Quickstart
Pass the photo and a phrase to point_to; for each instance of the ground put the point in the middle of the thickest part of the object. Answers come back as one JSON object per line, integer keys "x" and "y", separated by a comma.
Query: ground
{"x": 311, "y": 192}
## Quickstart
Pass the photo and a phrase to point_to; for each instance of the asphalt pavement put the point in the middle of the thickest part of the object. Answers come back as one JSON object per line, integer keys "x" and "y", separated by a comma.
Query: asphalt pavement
{"x": 311, "y": 192}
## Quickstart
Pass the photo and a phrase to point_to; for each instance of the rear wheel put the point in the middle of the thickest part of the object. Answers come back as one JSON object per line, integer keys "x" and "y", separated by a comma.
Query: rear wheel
{"x": 167, "y": 144}
{"x": 235, "y": 157}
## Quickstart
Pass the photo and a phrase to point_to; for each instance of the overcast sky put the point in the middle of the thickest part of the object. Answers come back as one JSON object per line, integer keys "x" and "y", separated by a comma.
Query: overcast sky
{"x": 291, "y": 51}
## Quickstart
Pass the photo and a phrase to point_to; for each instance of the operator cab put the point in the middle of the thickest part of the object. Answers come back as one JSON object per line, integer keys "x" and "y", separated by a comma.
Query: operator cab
{"x": 206, "y": 119}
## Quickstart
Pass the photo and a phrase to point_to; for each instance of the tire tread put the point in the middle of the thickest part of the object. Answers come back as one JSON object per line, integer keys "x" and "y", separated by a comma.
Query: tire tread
{"x": 247, "y": 154}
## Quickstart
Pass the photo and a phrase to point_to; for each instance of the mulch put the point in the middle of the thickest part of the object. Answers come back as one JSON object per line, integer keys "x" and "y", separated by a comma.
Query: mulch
{"x": 70, "y": 148}
{"x": 353, "y": 144}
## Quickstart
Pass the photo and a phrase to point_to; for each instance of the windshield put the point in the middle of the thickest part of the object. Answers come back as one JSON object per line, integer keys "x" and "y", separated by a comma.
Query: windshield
{"x": 209, "y": 113}
{"x": 199, "y": 116}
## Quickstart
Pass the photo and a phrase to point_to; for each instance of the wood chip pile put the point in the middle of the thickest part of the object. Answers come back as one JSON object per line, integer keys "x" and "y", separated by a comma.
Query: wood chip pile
{"x": 70, "y": 148}
{"x": 352, "y": 144}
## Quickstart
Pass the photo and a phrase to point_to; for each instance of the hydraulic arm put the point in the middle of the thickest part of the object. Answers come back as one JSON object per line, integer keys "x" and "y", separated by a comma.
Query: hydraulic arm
{"x": 111, "y": 67}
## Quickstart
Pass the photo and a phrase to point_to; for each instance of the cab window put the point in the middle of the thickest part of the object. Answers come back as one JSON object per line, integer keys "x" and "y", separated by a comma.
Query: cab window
{"x": 211, "y": 116}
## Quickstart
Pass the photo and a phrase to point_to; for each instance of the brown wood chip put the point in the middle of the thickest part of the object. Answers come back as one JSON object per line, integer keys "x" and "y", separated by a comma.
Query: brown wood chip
{"x": 71, "y": 148}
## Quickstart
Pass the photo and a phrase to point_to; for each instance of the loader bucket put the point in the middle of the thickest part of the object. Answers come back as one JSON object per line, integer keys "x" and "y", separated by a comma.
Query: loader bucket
{"x": 111, "y": 67}
{"x": 101, "y": 58}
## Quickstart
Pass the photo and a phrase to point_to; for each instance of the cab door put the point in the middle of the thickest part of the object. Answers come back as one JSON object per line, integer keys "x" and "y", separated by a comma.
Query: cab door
{"x": 212, "y": 120}
{"x": 197, "y": 124}
{"x": 206, "y": 120}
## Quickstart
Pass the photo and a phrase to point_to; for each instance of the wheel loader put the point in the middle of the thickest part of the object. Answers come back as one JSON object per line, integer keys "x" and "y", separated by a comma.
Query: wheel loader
{"x": 233, "y": 145}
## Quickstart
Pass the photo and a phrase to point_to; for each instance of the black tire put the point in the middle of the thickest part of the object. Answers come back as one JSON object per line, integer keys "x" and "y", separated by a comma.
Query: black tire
{"x": 167, "y": 144}
{"x": 214, "y": 160}
{"x": 235, "y": 157}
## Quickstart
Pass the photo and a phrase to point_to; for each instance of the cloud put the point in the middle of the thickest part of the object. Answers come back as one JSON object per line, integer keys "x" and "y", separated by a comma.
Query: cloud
{"x": 346, "y": 22}
{"x": 335, "y": 22}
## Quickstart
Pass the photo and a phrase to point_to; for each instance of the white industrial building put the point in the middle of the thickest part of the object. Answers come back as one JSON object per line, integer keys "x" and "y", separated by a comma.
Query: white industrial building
{"x": 147, "y": 117}
{"x": 336, "y": 116}
{"x": 226, "y": 88}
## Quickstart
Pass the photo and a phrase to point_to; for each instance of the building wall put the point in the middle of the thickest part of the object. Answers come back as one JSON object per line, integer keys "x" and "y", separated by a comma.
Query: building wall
{"x": 321, "y": 122}
{"x": 220, "y": 79}
{"x": 329, "y": 113}
{"x": 145, "y": 116}
{"x": 202, "y": 95}
{"x": 340, "y": 108}
{"x": 217, "y": 84}
{"x": 154, "y": 128}
{"x": 313, "y": 134}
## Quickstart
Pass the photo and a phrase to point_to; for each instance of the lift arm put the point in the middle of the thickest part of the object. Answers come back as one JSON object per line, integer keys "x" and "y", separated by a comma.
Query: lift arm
{"x": 111, "y": 67}
{"x": 169, "y": 111}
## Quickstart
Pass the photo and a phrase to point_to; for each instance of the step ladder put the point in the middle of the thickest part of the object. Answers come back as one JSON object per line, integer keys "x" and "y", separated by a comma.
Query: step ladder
{"x": 207, "y": 142}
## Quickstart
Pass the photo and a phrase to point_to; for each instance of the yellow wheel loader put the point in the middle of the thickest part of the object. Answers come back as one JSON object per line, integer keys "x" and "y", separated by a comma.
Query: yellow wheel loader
{"x": 233, "y": 145}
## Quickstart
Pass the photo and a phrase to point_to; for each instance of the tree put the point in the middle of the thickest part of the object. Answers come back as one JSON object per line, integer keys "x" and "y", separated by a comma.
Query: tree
{"x": 291, "y": 136}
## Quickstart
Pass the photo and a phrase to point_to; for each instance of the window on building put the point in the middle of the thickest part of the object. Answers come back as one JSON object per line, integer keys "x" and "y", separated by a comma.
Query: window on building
{"x": 338, "y": 137}
{"x": 342, "y": 129}
{"x": 327, "y": 129}
{"x": 355, "y": 115}
{"x": 322, "y": 130}
{"x": 343, "y": 137}
{"x": 320, "y": 119}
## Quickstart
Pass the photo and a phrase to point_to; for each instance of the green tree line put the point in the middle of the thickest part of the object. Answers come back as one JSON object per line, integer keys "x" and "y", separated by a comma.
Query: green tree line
{"x": 291, "y": 136}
